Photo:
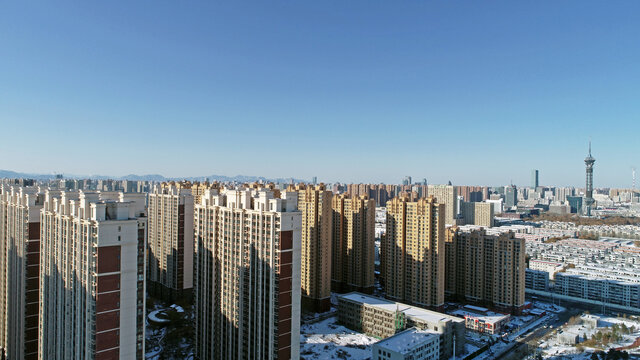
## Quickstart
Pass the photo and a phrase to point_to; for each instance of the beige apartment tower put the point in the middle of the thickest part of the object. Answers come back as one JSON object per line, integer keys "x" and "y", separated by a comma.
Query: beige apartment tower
{"x": 447, "y": 195}
{"x": 315, "y": 204}
{"x": 170, "y": 242}
{"x": 19, "y": 271}
{"x": 486, "y": 267}
{"x": 92, "y": 276}
{"x": 247, "y": 283}
{"x": 353, "y": 248}
{"x": 477, "y": 213}
{"x": 412, "y": 252}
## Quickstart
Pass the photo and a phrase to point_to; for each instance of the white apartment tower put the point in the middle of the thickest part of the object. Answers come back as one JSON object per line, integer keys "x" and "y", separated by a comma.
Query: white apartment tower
{"x": 170, "y": 241}
{"x": 19, "y": 269}
{"x": 447, "y": 195}
{"x": 247, "y": 279}
{"x": 92, "y": 276}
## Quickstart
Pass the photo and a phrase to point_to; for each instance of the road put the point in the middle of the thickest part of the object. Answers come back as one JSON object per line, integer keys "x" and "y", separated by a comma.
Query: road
{"x": 532, "y": 338}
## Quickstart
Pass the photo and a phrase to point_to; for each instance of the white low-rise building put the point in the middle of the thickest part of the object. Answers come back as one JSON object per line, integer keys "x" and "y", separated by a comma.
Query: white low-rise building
{"x": 411, "y": 344}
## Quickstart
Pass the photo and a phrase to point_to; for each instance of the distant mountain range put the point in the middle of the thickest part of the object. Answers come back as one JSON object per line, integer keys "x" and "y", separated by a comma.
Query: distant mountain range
{"x": 150, "y": 177}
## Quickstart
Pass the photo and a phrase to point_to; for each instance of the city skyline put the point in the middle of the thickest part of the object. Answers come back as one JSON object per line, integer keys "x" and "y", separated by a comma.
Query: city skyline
{"x": 456, "y": 92}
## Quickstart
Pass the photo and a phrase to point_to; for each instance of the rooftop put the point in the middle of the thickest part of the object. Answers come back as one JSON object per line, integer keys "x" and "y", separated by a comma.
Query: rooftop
{"x": 406, "y": 340}
{"x": 408, "y": 310}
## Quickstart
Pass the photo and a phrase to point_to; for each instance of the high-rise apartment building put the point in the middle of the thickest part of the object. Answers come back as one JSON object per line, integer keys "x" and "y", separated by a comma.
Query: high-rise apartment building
{"x": 412, "y": 252}
{"x": 486, "y": 266}
{"x": 19, "y": 270}
{"x": 198, "y": 189}
{"x": 472, "y": 193}
{"x": 478, "y": 213}
{"x": 561, "y": 193}
{"x": 170, "y": 241}
{"x": 315, "y": 204}
{"x": 247, "y": 283}
{"x": 92, "y": 276}
{"x": 447, "y": 195}
{"x": 353, "y": 244}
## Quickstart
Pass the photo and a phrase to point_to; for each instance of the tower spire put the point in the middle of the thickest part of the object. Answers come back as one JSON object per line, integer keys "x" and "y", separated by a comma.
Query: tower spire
{"x": 589, "y": 147}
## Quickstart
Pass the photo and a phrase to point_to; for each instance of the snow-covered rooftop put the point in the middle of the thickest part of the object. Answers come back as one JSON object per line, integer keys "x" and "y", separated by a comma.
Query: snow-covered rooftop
{"x": 408, "y": 310}
{"x": 406, "y": 340}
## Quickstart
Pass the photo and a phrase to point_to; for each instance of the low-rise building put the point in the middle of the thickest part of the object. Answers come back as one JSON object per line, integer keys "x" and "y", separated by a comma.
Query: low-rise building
{"x": 593, "y": 288}
{"x": 411, "y": 344}
{"x": 536, "y": 280}
{"x": 482, "y": 320}
{"x": 383, "y": 318}
{"x": 550, "y": 267}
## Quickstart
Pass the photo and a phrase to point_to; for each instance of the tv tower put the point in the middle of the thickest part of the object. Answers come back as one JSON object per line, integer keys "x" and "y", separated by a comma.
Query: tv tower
{"x": 589, "y": 161}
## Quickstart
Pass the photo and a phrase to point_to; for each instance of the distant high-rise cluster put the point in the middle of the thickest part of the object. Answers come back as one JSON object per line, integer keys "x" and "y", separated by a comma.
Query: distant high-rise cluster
{"x": 78, "y": 257}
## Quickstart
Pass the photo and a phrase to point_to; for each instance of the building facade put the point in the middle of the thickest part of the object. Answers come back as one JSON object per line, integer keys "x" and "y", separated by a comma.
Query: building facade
{"x": 510, "y": 196}
{"x": 92, "y": 276}
{"x": 447, "y": 195}
{"x": 315, "y": 204}
{"x": 488, "y": 267}
{"x": 19, "y": 271}
{"x": 247, "y": 283}
{"x": 170, "y": 241}
{"x": 477, "y": 213}
{"x": 412, "y": 252}
{"x": 536, "y": 280}
{"x": 353, "y": 245}
{"x": 589, "y": 287}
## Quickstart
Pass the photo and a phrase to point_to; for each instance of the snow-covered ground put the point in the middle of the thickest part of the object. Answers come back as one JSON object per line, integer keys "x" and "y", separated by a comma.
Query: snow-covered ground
{"x": 328, "y": 340}
{"x": 552, "y": 346}
{"x": 548, "y": 307}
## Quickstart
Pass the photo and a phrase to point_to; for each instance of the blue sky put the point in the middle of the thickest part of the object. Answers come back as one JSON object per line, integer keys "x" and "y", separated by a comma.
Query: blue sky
{"x": 476, "y": 92}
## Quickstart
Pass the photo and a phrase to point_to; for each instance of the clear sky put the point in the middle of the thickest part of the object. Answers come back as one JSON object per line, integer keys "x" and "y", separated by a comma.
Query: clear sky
{"x": 476, "y": 92}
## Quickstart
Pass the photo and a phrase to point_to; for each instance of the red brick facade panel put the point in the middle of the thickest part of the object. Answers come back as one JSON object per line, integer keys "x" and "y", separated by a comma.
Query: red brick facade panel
{"x": 285, "y": 270}
{"x": 107, "y": 321}
{"x": 285, "y": 257}
{"x": 284, "y": 353}
{"x": 284, "y": 312}
{"x": 113, "y": 354}
{"x": 284, "y": 299}
{"x": 285, "y": 285}
{"x": 33, "y": 246}
{"x": 108, "y": 283}
{"x": 108, "y": 259}
{"x": 107, "y": 340}
{"x": 108, "y": 301}
{"x": 286, "y": 240}
{"x": 34, "y": 231}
